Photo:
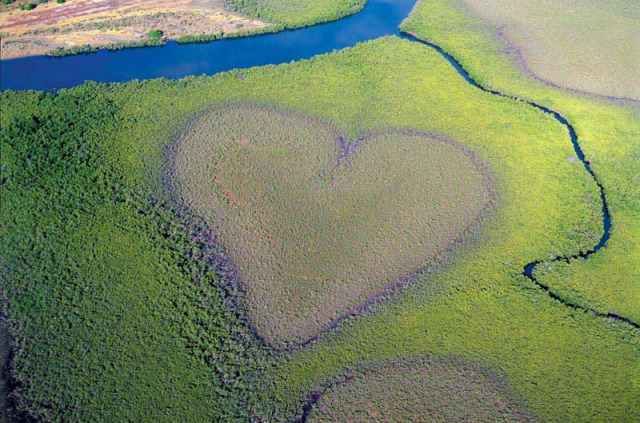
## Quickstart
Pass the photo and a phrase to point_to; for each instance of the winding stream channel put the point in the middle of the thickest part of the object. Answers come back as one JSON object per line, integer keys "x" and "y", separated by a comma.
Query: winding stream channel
{"x": 529, "y": 268}
{"x": 173, "y": 60}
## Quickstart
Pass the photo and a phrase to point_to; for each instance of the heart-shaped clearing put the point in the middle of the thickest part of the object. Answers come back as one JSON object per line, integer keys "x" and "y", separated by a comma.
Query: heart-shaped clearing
{"x": 317, "y": 226}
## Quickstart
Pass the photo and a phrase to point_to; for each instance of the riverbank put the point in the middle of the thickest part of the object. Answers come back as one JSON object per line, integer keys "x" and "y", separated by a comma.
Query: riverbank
{"x": 175, "y": 60}
{"x": 94, "y": 24}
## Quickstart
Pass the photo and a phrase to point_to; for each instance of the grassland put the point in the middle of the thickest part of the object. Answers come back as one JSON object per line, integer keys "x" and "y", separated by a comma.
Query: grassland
{"x": 481, "y": 307}
{"x": 296, "y": 13}
{"x": 81, "y": 25}
{"x": 318, "y": 225}
{"x": 582, "y": 45}
{"x": 120, "y": 314}
{"x": 437, "y": 391}
{"x": 608, "y": 130}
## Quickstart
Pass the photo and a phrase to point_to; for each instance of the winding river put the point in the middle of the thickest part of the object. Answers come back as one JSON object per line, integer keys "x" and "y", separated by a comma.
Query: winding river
{"x": 173, "y": 60}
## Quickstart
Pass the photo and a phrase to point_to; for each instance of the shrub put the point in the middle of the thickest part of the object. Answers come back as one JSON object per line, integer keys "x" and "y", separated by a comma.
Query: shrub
{"x": 27, "y": 6}
{"x": 155, "y": 34}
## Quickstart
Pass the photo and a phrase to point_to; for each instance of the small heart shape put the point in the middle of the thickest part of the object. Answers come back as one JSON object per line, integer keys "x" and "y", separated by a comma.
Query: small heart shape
{"x": 316, "y": 225}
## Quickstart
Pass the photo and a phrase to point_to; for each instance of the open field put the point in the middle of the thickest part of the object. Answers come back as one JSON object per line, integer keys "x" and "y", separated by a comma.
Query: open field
{"x": 590, "y": 46}
{"x": 429, "y": 391}
{"x": 116, "y": 317}
{"x": 609, "y": 132}
{"x": 318, "y": 225}
{"x": 77, "y": 23}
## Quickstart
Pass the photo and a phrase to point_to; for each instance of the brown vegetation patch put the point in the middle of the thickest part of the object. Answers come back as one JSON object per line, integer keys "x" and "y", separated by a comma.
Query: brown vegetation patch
{"x": 433, "y": 391}
{"x": 579, "y": 45}
{"x": 316, "y": 225}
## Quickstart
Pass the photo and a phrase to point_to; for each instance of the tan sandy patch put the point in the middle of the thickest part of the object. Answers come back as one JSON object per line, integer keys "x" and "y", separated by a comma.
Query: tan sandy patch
{"x": 102, "y": 22}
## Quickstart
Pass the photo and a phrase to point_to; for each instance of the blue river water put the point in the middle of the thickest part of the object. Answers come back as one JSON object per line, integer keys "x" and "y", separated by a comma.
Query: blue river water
{"x": 173, "y": 60}
{"x": 379, "y": 18}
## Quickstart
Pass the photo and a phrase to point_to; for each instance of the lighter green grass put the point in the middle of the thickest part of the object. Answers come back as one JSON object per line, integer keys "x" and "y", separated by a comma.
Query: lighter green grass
{"x": 609, "y": 134}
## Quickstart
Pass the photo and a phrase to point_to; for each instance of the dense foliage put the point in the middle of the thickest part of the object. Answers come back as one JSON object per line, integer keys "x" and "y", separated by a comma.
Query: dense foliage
{"x": 27, "y": 6}
{"x": 116, "y": 312}
{"x": 296, "y": 13}
{"x": 202, "y": 38}
{"x": 205, "y": 38}
{"x": 118, "y": 317}
{"x": 83, "y": 49}
{"x": 155, "y": 34}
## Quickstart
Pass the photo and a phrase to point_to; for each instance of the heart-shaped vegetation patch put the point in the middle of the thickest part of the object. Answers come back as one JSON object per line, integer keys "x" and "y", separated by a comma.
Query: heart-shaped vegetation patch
{"x": 315, "y": 225}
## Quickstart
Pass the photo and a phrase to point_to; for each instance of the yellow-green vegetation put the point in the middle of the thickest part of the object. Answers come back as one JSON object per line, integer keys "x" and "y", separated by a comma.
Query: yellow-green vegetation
{"x": 85, "y": 226}
{"x": 316, "y": 224}
{"x": 585, "y": 45}
{"x": 296, "y": 13}
{"x": 485, "y": 310}
{"x": 609, "y": 133}
{"x": 429, "y": 391}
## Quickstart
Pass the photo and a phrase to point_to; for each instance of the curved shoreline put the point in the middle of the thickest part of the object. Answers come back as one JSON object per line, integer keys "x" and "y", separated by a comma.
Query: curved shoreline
{"x": 175, "y": 61}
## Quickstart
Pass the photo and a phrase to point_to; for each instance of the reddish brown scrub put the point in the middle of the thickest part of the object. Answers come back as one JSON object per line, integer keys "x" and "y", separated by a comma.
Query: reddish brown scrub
{"x": 434, "y": 391}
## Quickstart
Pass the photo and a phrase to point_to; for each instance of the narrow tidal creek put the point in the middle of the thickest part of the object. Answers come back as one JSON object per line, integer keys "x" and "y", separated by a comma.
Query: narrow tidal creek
{"x": 173, "y": 60}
